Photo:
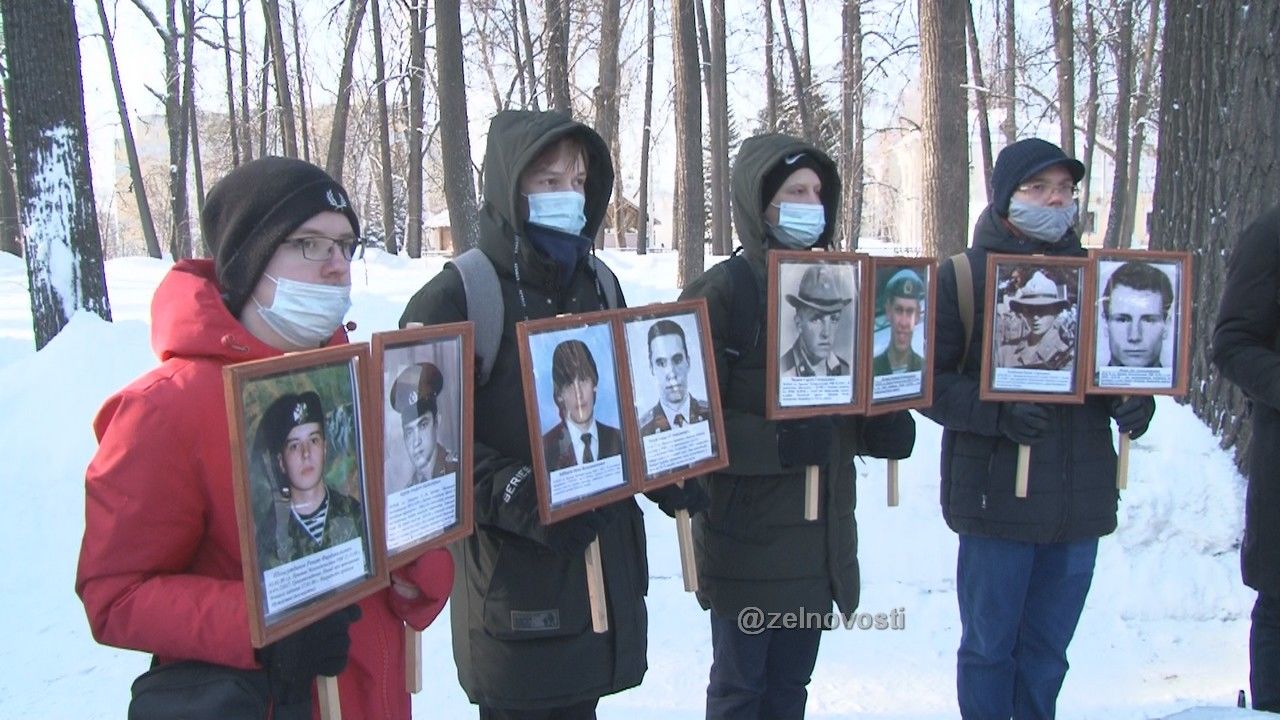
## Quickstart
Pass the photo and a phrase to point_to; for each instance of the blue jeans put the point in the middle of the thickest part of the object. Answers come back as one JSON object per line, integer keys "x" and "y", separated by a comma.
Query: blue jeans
{"x": 759, "y": 676}
{"x": 1019, "y": 605}
{"x": 1264, "y": 653}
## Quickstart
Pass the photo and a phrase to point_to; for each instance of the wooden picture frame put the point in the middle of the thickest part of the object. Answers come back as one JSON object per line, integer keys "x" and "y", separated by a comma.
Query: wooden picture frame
{"x": 1155, "y": 350}
{"x": 676, "y": 427}
{"x": 574, "y": 347}
{"x": 1037, "y": 310}
{"x": 423, "y": 384}
{"x": 914, "y": 284}
{"x": 804, "y": 288}
{"x": 274, "y": 411}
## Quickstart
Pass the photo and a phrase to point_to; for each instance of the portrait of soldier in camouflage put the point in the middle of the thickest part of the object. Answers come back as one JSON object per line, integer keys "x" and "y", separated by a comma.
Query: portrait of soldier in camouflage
{"x": 306, "y": 514}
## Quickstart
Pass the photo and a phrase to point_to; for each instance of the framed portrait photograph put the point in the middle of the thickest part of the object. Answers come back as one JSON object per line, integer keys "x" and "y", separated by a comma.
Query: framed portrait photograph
{"x": 423, "y": 382}
{"x": 308, "y": 504}
{"x": 814, "y": 329}
{"x": 899, "y": 353}
{"x": 1038, "y": 315}
{"x": 573, "y": 397}
{"x": 673, "y": 393}
{"x": 1142, "y": 342}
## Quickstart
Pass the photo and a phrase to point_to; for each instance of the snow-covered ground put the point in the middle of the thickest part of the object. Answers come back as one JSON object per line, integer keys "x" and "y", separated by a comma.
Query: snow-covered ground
{"x": 1165, "y": 630}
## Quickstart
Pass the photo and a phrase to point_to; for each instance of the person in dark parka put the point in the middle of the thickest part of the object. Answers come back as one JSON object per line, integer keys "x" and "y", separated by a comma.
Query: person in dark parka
{"x": 522, "y": 635}
{"x": 754, "y": 548}
{"x": 1246, "y": 349}
{"x": 1025, "y": 564}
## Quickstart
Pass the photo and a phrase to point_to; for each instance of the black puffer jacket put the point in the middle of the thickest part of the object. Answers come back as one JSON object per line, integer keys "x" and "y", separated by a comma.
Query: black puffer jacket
{"x": 1246, "y": 348}
{"x": 754, "y": 547}
{"x": 1072, "y": 485}
{"x": 522, "y": 636}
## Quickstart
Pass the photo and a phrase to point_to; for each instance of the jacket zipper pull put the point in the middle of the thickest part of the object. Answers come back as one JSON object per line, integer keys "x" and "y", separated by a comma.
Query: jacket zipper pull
{"x": 984, "y": 501}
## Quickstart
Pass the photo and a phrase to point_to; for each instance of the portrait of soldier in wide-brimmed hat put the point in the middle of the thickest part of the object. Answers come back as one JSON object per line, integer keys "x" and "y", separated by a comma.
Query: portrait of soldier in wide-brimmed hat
{"x": 820, "y": 305}
{"x": 1046, "y": 344}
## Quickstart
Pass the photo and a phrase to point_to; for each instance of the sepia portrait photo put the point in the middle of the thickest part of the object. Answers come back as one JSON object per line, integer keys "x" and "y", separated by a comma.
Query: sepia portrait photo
{"x": 1140, "y": 313}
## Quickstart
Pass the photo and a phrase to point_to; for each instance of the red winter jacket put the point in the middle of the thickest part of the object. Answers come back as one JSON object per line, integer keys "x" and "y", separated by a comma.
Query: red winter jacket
{"x": 160, "y": 561}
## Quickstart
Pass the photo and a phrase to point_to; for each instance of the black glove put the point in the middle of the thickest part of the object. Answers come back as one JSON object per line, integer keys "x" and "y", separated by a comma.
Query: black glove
{"x": 805, "y": 442}
{"x": 890, "y": 437}
{"x": 1133, "y": 415}
{"x": 671, "y": 498}
{"x": 321, "y": 648}
{"x": 1024, "y": 423}
{"x": 573, "y": 535}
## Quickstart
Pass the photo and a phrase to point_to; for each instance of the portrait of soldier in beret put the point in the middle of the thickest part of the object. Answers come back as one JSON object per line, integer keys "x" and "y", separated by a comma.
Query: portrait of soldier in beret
{"x": 820, "y": 305}
{"x": 307, "y": 515}
{"x": 415, "y": 396}
{"x": 901, "y": 302}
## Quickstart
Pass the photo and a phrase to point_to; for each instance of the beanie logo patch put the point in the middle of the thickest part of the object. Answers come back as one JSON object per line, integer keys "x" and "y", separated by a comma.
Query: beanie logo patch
{"x": 336, "y": 200}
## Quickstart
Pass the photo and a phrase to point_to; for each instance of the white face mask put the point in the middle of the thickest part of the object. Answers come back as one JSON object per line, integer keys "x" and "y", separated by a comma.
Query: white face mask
{"x": 1046, "y": 224}
{"x": 305, "y": 314}
{"x": 800, "y": 224}
{"x": 560, "y": 210}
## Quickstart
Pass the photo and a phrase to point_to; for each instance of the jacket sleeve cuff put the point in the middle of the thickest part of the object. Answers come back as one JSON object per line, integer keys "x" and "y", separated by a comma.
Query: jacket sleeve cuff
{"x": 432, "y": 574}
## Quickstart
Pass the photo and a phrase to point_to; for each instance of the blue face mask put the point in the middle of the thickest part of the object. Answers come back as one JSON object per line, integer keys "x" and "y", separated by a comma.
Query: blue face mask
{"x": 799, "y": 224}
{"x": 562, "y": 211}
{"x": 1046, "y": 224}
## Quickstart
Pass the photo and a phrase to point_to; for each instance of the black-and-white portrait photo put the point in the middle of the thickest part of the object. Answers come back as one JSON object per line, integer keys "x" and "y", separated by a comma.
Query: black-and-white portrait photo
{"x": 817, "y": 333}
{"x": 1035, "y": 330}
{"x": 422, "y": 428}
{"x": 898, "y": 335}
{"x": 669, "y": 378}
{"x": 1138, "y": 323}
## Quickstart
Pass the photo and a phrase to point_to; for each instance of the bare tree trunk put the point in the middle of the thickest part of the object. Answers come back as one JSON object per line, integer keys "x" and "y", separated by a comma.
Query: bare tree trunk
{"x": 198, "y": 172}
{"x": 718, "y": 118}
{"x": 946, "y": 146}
{"x": 145, "y": 220}
{"x": 529, "y": 69}
{"x": 642, "y": 232}
{"x": 342, "y": 105}
{"x": 264, "y": 111}
{"x": 770, "y": 77}
{"x": 63, "y": 249}
{"x": 384, "y": 134}
{"x": 186, "y": 110}
{"x": 302, "y": 84}
{"x": 606, "y": 102}
{"x": 688, "y": 225}
{"x": 455, "y": 149}
{"x": 980, "y": 93}
{"x": 1091, "y": 116}
{"x": 246, "y": 125}
{"x": 1010, "y": 124}
{"x": 806, "y": 66}
{"x": 417, "y": 77}
{"x": 1141, "y": 105}
{"x": 1064, "y": 40}
{"x": 284, "y": 99}
{"x": 797, "y": 78}
{"x": 556, "y": 32}
{"x": 1217, "y": 167}
{"x": 10, "y": 239}
{"x": 480, "y": 21}
{"x": 1123, "y": 51}
{"x": 232, "y": 125}
{"x": 851, "y": 129}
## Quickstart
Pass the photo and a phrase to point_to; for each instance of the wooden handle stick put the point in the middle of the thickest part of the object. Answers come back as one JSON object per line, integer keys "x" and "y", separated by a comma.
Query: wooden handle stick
{"x": 327, "y": 691}
{"x": 1024, "y": 469}
{"x": 811, "y": 492}
{"x": 688, "y": 563}
{"x": 893, "y": 483}
{"x": 595, "y": 588}
{"x": 1122, "y": 459}
{"x": 412, "y": 660}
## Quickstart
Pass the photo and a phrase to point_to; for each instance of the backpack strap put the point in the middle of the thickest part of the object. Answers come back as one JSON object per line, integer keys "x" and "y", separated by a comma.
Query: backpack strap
{"x": 606, "y": 279}
{"x": 744, "y": 316}
{"x": 965, "y": 301}
{"x": 484, "y": 307}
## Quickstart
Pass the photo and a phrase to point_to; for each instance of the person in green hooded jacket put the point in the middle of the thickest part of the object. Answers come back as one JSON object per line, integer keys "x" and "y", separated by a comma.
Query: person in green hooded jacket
{"x": 522, "y": 634}
{"x": 755, "y": 551}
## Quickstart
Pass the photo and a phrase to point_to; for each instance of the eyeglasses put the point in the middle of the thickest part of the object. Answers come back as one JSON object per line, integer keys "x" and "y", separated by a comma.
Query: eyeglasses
{"x": 318, "y": 248}
{"x": 1042, "y": 190}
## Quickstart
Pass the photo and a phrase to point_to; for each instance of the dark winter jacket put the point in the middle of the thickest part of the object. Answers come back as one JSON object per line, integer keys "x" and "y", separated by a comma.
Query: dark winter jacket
{"x": 754, "y": 547}
{"x": 160, "y": 568}
{"x": 1246, "y": 348}
{"x": 1072, "y": 484}
{"x": 522, "y": 636}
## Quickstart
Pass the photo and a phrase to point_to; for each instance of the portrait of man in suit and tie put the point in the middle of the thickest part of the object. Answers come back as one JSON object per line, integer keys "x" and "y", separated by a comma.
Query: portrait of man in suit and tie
{"x": 669, "y": 366}
{"x": 579, "y": 438}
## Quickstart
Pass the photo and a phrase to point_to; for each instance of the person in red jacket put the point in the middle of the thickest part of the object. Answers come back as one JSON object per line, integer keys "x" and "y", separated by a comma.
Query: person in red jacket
{"x": 159, "y": 566}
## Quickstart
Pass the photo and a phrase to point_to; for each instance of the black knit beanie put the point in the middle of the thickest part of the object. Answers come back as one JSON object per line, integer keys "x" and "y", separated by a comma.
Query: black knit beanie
{"x": 251, "y": 210}
{"x": 782, "y": 170}
{"x": 1020, "y": 161}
